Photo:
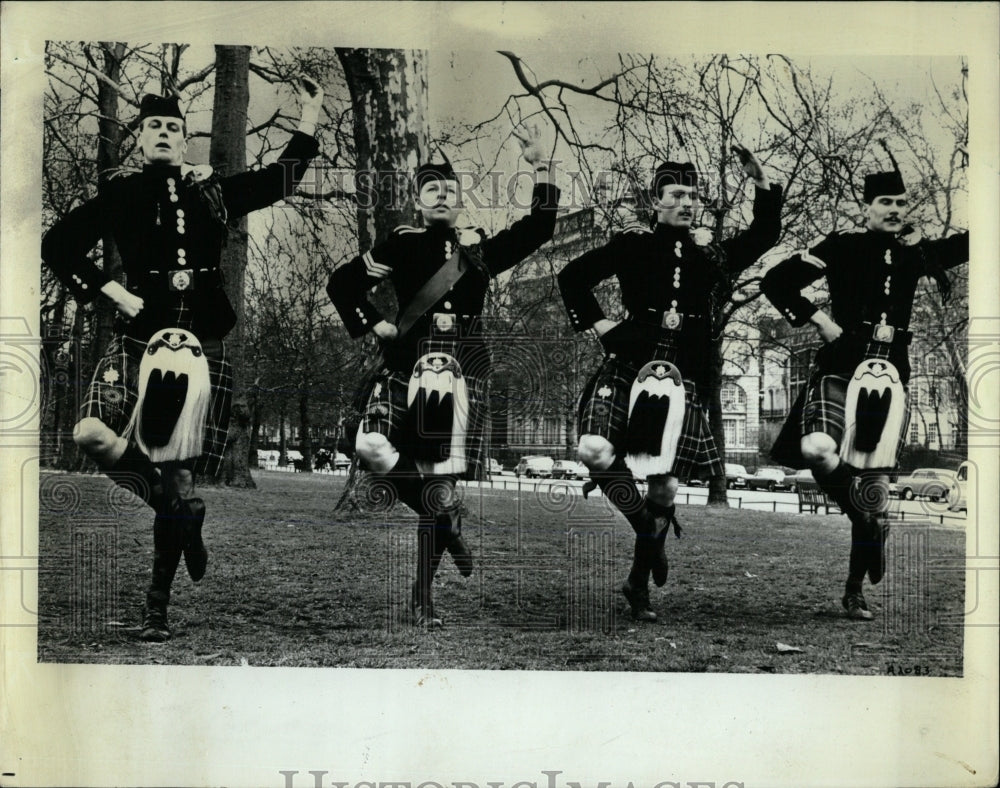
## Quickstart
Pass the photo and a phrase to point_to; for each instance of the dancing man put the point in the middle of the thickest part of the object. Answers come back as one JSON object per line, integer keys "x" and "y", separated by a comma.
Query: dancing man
{"x": 157, "y": 410}
{"x": 848, "y": 423}
{"x": 641, "y": 413}
{"x": 426, "y": 415}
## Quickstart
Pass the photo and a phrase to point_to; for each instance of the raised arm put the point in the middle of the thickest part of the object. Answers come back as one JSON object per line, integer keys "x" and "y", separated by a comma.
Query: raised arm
{"x": 256, "y": 189}
{"x": 746, "y": 247}
{"x": 509, "y": 247}
{"x": 948, "y": 252}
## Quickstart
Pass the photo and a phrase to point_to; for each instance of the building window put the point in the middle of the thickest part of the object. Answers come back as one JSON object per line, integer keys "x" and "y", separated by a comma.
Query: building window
{"x": 735, "y": 432}
{"x": 932, "y": 435}
{"x": 733, "y": 397}
{"x": 914, "y": 432}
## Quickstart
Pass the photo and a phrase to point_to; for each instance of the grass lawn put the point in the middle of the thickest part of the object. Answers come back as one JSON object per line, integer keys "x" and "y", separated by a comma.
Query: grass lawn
{"x": 293, "y": 583}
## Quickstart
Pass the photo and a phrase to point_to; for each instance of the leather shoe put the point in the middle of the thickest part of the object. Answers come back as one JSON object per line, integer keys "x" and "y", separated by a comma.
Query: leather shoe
{"x": 856, "y": 607}
{"x": 638, "y": 600}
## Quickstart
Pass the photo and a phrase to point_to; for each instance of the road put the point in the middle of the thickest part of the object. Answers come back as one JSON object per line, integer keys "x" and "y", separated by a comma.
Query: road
{"x": 758, "y": 500}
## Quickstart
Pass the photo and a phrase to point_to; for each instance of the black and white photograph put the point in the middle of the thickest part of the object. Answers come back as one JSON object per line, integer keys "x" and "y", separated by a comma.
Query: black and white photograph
{"x": 511, "y": 384}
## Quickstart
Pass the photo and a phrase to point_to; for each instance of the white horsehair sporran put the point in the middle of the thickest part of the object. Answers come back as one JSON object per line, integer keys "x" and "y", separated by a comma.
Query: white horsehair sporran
{"x": 174, "y": 397}
{"x": 874, "y": 415}
{"x": 438, "y": 402}
{"x": 655, "y": 419}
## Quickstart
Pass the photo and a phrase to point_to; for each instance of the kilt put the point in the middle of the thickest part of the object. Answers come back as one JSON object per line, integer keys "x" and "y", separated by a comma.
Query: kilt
{"x": 818, "y": 408}
{"x": 603, "y": 411}
{"x": 386, "y": 412}
{"x": 114, "y": 390}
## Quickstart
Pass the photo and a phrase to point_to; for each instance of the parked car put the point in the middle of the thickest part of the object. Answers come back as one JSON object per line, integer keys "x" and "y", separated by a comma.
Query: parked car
{"x": 795, "y": 479}
{"x": 769, "y": 479}
{"x": 932, "y": 483}
{"x": 564, "y": 469}
{"x": 736, "y": 476}
{"x": 341, "y": 462}
{"x": 581, "y": 472}
{"x": 957, "y": 501}
{"x": 534, "y": 467}
{"x": 495, "y": 468}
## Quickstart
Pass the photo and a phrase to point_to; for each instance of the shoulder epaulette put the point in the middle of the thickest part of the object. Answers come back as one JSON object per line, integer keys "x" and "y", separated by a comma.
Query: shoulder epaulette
{"x": 637, "y": 228}
{"x": 405, "y": 228}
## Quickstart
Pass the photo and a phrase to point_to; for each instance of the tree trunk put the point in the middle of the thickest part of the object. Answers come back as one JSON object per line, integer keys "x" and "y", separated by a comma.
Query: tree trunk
{"x": 391, "y": 134}
{"x": 228, "y": 155}
{"x": 391, "y": 138}
{"x": 282, "y": 438}
{"x": 305, "y": 430}
{"x": 108, "y": 140}
{"x": 713, "y": 399}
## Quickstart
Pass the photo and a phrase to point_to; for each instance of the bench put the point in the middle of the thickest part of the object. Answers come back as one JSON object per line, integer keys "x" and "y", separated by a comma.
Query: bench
{"x": 811, "y": 498}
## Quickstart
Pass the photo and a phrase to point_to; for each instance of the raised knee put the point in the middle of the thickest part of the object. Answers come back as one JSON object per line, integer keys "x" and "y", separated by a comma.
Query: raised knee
{"x": 375, "y": 451}
{"x": 595, "y": 452}
{"x": 818, "y": 448}
{"x": 93, "y": 435}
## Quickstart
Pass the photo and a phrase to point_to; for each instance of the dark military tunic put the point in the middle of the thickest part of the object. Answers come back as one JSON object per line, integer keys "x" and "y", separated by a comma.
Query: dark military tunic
{"x": 162, "y": 226}
{"x": 408, "y": 259}
{"x": 666, "y": 280}
{"x": 872, "y": 279}
{"x": 170, "y": 234}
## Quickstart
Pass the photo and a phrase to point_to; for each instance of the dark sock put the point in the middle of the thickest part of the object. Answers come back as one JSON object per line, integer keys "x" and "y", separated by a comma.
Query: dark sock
{"x": 619, "y": 487}
{"x": 638, "y": 576}
{"x": 408, "y": 483}
{"x": 838, "y": 484}
{"x": 135, "y": 472}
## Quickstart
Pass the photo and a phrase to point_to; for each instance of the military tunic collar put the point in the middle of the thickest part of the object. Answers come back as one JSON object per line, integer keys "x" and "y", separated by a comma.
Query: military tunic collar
{"x": 162, "y": 171}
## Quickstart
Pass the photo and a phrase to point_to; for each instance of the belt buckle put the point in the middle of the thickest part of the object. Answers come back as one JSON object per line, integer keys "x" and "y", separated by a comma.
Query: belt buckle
{"x": 672, "y": 321}
{"x": 444, "y": 323}
{"x": 883, "y": 333}
{"x": 180, "y": 280}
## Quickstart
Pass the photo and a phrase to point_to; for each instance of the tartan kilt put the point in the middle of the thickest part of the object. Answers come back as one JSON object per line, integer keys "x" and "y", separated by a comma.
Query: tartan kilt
{"x": 818, "y": 408}
{"x": 607, "y": 416}
{"x": 386, "y": 412}
{"x": 114, "y": 390}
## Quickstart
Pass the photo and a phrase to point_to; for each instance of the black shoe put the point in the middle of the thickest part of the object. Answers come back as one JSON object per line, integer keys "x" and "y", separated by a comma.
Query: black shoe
{"x": 423, "y": 615}
{"x": 875, "y": 552}
{"x": 856, "y": 607}
{"x": 422, "y": 609}
{"x": 190, "y": 517}
{"x": 154, "y": 622}
{"x": 638, "y": 600}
